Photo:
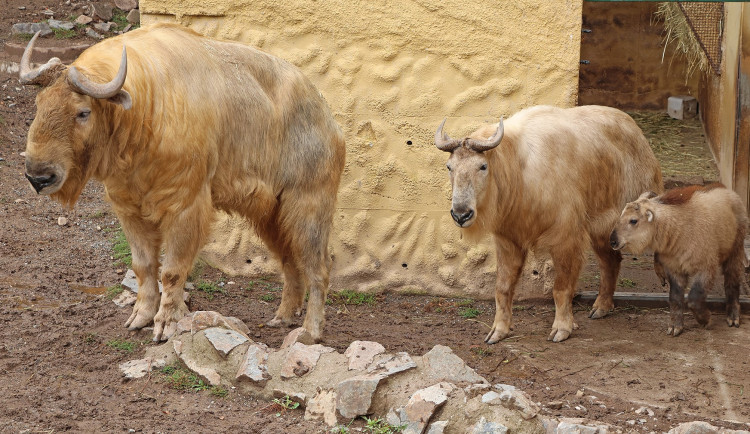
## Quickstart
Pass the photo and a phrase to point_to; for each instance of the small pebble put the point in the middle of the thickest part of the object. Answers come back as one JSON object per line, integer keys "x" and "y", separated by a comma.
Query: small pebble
{"x": 62, "y": 221}
{"x": 22, "y": 8}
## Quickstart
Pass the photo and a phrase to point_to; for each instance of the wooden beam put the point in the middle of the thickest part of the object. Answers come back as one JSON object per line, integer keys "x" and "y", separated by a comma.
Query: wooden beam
{"x": 650, "y": 300}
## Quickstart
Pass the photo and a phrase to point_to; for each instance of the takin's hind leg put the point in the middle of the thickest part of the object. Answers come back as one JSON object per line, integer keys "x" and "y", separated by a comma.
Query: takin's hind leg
{"x": 568, "y": 263}
{"x": 144, "y": 241}
{"x": 609, "y": 266}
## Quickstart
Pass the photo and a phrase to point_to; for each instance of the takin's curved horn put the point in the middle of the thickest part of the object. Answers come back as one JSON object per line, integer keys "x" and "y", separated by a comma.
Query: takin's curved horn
{"x": 443, "y": 142}
{"x": 486, "y": 145}
{"x": 81, "y": 84}
{"x": 43, "y": 75}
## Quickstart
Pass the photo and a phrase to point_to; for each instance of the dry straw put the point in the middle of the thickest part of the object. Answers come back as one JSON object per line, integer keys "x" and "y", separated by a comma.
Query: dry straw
{"x": 679, "y": 33}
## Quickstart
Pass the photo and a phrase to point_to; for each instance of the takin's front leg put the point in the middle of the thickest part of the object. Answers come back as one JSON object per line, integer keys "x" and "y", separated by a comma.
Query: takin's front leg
{"x": 609, "y": 266}
{"x": 734, "y": 279}
{"x": 697, "y": 299}
{"x": 183, "y": 238}
{"x": 510, "y": 260}
{"x": 568, "y": 262}
{"x": 676, "y": 302}
{"x": 144, "y": 241}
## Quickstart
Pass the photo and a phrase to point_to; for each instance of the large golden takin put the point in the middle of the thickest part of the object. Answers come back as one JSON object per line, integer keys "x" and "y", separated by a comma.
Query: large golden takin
{"x": 174, "y": 125}
{"x": 552, "y": 180}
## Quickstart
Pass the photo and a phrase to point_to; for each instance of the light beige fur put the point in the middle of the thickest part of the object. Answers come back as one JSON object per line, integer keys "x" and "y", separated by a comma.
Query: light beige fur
{"x": 694, "y": 231}
{"x": 213, "y": 124}
{"x": 556, "y": 183}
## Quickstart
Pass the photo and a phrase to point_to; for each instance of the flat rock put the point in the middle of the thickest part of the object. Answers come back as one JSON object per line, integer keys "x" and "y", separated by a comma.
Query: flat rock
{"x": 209, "y": 375}
{"x": 205, "y": 319}
{"x": 254, "y": 366}
{"x": 513, "y": 399}
{"x": 422, "y": 405}
{"x": 103, "y": 11}
{"x": 437, "y": 427}
{"x": 103, "y": 27}
{"x": 30, "y": 28}
{"x": 579, "y": 426}
{"x": 302, "y": 359}
{"x": 354, "y": 395}
{"x": 139, "y": 368}
{"x": 125, "y": 298}
{"x": 92, "y": 34}
{"x": 443, "y": 365}
{"x": 126, "y": 5}
{"x": 64, "y": 25}
{"x": 83, "y": 19}
{"x": 392, "y": 364}
{"x": 134, "y": 16}
{"x": 485, "y": 427}
{"x": 224, "y": 340}
{"x": 362, "y": 353}
{"x": 700, "y": 427}
{"x": 297, "y": 335}
{"x": 322, "y": 406}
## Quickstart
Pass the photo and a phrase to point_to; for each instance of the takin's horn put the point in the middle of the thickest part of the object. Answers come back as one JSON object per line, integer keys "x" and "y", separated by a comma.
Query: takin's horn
{"x": 486, "y": 145}
{"x": 443, "y": 142}
{"x": 43, "y": 75}
{"x": 81, "y": 84}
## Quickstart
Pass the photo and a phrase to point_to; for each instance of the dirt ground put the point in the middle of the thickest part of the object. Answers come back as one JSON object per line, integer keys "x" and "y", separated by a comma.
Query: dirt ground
{"x": 59, "y": 364}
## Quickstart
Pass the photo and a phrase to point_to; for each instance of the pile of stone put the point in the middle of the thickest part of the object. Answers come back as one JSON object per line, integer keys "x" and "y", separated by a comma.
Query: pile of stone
{"x": 96, "y": 17}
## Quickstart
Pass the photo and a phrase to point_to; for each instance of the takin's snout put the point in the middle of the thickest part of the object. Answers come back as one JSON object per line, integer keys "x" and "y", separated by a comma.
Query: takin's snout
{"x": 462, "y": 217}
{"x": 614, "y": 240}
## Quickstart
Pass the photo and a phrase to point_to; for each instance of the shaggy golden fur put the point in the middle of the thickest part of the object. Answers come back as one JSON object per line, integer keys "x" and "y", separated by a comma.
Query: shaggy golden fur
{"x": 556, "y": 183}
{"x": 694, "y": 230}
{"x": 213, "y": 124}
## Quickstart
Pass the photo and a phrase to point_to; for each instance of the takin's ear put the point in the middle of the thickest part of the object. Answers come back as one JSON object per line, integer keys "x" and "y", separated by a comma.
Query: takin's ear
{"x": 122, "y": 98}
{"x": 649, "y": 215}
{"x": 648, "y": 195}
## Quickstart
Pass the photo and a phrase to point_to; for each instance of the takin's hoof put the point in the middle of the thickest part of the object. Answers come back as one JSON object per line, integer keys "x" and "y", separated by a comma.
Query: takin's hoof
{"x": 277, "y": 322}
{"x": 597, "y": 313}
{"x": 496, "y": 335}
{"x": 733, "y": 322}
{"x": 674, "y": 331}
{"x": 163, "y": 332}
{"x": 558, "y": 335}
{"x": 138, "y": 320}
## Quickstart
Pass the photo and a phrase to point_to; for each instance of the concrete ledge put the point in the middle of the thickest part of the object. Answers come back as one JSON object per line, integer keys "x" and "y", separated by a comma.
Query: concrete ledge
{"x": 67, "y": 54}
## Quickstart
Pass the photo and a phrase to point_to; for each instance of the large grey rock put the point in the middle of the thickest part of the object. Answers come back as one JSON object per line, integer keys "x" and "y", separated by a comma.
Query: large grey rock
{"x": 362, "y": 353}
{"x": 437, "y": 427}
{"x": 103, "y": 27}
{"x": 64, "y": 25}
{"x": 139, "y": 368}
{"x": 102, "y": 11}
{"x": 512, "y": 398}
{"x": 205, "y": 319}
{"x": 699, "y": 427}
{"x": 84, "y": 19}
{"x": 92, "y": 34}
{"x": 485, "y": 427}
{"x": 126, "y": 5}
{"x": 224, "y": 340}
{"x": 322, "y": 406}
{"x": 254, "y": 366}
{"x": 302, "y": 359}
{"x": 31, "y": 28}
{"x": 297, "y": 335}
{"x": 422, "y": 405}
{"x": 354, "y": 395}
{"x": 442, "y": 365}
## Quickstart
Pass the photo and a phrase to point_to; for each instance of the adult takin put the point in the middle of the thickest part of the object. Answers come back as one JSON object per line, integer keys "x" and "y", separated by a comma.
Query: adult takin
{"x": 694, "y": 230}
{"x": 176, "y": 125}
{"x": 553, "y": 180}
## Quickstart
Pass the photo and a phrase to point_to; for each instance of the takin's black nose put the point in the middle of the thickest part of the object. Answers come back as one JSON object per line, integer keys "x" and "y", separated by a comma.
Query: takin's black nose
{"x": 39, "y": 182}
{"x": 462, "y": 218}
{"x": 613, "y": 242}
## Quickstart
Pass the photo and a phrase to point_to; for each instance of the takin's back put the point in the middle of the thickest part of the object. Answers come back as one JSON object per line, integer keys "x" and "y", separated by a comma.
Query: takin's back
{"x": 249, "y": 114}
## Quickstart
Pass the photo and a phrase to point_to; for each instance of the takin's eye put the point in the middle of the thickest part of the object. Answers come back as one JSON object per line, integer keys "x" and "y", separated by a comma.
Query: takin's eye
{"x": 449, "y": 167}
{"x": 483, "y": 167}
{"x": 633, "y": 221}
{"x": 83, "y": 115}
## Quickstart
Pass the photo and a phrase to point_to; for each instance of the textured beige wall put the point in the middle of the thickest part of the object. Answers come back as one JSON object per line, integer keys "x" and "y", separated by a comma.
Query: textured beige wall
{"x": 391, "y": 71}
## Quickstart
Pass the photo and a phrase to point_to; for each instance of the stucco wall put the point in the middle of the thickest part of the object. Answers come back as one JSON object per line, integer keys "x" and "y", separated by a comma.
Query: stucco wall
{"x": 391, "y": 71}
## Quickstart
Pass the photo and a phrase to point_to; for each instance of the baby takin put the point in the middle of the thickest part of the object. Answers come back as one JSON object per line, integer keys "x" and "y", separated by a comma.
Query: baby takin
{"x": 692, "y": 230}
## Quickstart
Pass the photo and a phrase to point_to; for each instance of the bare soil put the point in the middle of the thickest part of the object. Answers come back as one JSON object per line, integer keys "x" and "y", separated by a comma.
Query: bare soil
{"x": 59, "y": 367}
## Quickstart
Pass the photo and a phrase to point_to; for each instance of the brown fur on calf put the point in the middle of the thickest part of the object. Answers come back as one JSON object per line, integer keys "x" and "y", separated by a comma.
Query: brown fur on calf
{"x": 694, "y": 230}
{"x": 190, "y": 124}
{"x": 553, "y": 180}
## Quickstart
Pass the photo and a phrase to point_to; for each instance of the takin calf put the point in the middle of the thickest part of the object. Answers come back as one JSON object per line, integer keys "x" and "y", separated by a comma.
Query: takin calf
{"x": 553, "y": 180}
{"x": 693, "y": 230}
{"x": 174, "y": 125}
